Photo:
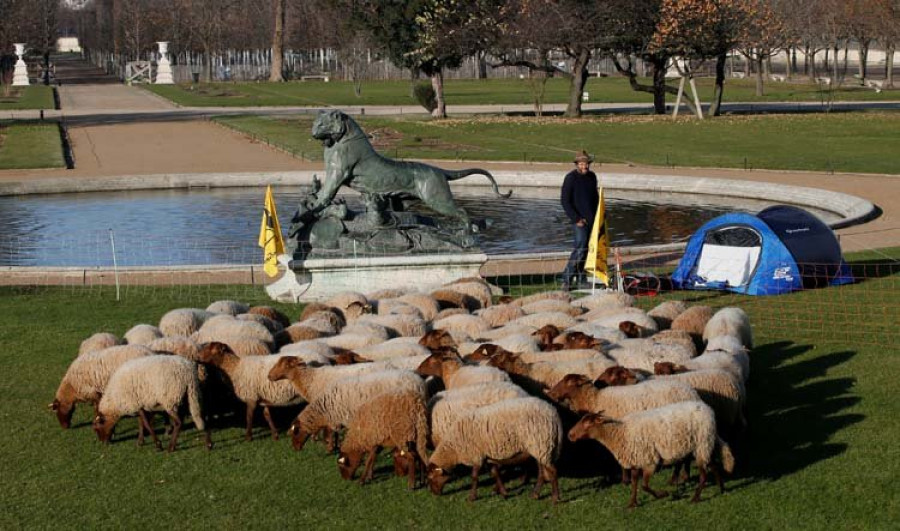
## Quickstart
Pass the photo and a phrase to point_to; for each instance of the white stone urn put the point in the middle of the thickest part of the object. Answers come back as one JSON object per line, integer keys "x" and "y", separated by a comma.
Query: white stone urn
{"x": 20, "y": 74}
{"x": 163, "y": 67}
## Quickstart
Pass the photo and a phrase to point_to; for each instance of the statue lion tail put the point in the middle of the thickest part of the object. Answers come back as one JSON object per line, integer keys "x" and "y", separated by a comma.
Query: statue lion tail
{"x": 459, "y": 174}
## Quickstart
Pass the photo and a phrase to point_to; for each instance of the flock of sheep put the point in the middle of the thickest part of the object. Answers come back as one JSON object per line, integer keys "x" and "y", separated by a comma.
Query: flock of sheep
{"x": 443, "y": 378}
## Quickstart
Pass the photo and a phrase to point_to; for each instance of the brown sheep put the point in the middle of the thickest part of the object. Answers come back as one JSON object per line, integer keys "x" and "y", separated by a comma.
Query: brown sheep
{"x": 271, "y": 313}
{"x": 437, "y": 339}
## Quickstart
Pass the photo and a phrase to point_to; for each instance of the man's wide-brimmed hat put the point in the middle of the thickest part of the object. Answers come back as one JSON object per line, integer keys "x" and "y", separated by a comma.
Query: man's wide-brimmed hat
{"x": 583, "y": 156}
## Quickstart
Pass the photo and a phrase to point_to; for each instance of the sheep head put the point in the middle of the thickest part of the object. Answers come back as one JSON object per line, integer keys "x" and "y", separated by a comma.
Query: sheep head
{"x": 575, "y": 340}
{"x": 437, "y": 478}
{"x": 348, "y": 357}
{"x": 568, "y": 386}
{"x": 64, "y": 412}
{"x": 504, "y": 299}
{"x": 507, "y": 361}
{"x": 348, "y": 462}
{"x": 485, "y": 352}
{"x": 545, "y": 334}
{"x": 616, "y": 376}
{"x": 313, "y": 307}
{"x": 403, "y": 459}
{"x": 356, "y": 309}
{"x": 586, "y": 426}
{"x": 436, "y": 339}
{"x": 299, "y": 435}
{"x": 271, "y": 313}
{"x": 103, "y": 426}
{"x": 214, "y": 352}
{"x": 667, "y": 367}
{"x": 630, "y": 329}
{"x": 433, "y": 365}
{"x": 284, "y": 367}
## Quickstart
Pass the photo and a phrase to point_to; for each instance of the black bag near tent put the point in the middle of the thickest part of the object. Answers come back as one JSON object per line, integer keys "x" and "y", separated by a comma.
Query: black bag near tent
{"x": 779, "y": 250}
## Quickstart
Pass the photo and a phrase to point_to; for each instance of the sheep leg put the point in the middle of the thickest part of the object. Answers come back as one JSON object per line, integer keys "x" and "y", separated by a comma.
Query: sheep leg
{"x": 412, "y": 468}
{"x": 632, "y": 503}
{"x": 717, "y": 471}
{"x": 368, "y": 472}
{"x": 499, "y": 487}
{"x": 536, "y": 493}
{"x": 268, "y": 415}
{"x": 624, "y": 476}
{"x": 251, "y": 407}
{"x": 550, "y": 470}
{"x": 176, "y": 429}
{"x": 473, "y": 492}
{"x": 646, "y": 486}
{"x": 702, "y": 483}
{"x": 149, "y": 427}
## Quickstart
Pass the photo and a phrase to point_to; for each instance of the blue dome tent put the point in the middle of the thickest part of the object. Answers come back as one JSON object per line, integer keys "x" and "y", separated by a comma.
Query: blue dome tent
{"x": 779, "y": 250}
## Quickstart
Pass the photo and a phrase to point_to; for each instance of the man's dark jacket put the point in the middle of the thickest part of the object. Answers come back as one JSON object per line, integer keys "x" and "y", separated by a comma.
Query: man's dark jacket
{"x": 579, "y": 196}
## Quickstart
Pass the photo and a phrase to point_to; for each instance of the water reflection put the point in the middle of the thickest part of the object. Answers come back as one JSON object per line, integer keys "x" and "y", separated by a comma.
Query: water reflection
{"x": 219, "y": 226}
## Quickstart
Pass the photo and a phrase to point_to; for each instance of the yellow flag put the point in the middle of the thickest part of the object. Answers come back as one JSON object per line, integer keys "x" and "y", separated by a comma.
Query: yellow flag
{"x": 598, "y": 246}
{"x": 270, "y": 235}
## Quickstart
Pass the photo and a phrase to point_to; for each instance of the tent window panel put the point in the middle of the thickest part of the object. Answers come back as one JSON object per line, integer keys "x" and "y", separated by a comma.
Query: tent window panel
{"x": 733, "y": 237}
{"x": 734, "y": 265}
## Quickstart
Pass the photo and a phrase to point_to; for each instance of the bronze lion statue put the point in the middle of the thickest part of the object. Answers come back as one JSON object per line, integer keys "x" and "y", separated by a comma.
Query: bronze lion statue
{"x": 350, "y": 160}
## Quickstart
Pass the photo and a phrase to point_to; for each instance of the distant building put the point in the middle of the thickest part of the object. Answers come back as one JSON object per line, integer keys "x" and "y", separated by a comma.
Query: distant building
{"x": 68, "y": 44}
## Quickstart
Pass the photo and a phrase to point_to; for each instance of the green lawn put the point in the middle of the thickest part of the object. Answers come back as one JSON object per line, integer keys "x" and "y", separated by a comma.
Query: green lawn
{"x": 821, "y": 452}
{"x": 31, "y": 97}
{"x": 473, "y": 92}
{"x": 30, "y": 145}
{"x": 851, "y": 142}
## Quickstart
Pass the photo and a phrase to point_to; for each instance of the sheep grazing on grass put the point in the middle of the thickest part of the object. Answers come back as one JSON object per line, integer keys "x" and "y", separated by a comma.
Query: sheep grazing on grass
{"x": 436, "y": 339}
{"x": 534, "y": 297}
{"x": 472, "y": 325}
{"x": 179, "y": 346}
{"x": 183, "y": 321}
{"x": 311, "y": 381}
{"x": 98, "y": 341}
{"x": 447, "y": 312}
{"x": 500, "y": 314}
{"x": 393, "y": 349}
{"x": 546, "y": 334}
{"x": 643, "y": 353}
{"x": 507, "y": 432}
{"x": 667, "y": 435}
{"x": 394, "y": 419}
{"x": 352, "y": 341}
{"x": 583, "y": 395}
{"x": 666, "y": 312}
{"x": 642, "y": 324}
{"x": 448, "y": 366}
{"x": 722, "y": 390}
{"x": 153, "y": 383}
{"x": 342, "y": 399}
{"x": 445, "y": 408}
{"x": 537, "y": 377}
{"x": 228, "y": 307}
{"x": 315, "y": 307}
{"x": 448, "y": 298}
{"x": 693, "y": 321}
{"x": 605, "y": 300}
{"x": 248, "y": 377}
{"x": 676, "y": 337}
{"x": 142, "y": 334}
{"x": 381, "y": 295}
{"x": 350, "y": 305}
{"x": 737, "y": 364}
{"x": 87, "y": 376}
{"x": 239, "y": 335}
{"x": 594, "y": 330}
{"x": 425, "y": 303}
{"x": 732, "y": 322}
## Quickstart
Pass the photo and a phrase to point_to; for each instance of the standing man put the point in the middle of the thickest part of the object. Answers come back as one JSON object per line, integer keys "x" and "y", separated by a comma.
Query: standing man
{"x": 579, "y": 199}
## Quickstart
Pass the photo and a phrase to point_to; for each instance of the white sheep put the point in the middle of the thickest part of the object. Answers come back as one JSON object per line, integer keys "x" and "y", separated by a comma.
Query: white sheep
{"x": 142, "y": 334}
{"x": 393, "y": 348}
{"x": 558, "y": 356}
{"x": 594, "y": 330}
{"x": 295, "y": 333}
{"x": 693, "y": 321}
{"x": 272, "y": 326}
{"x": 351, "y": 341}
{"x": 350, "y": 304}
{"x": 479, "y": 291}
{"x": 152, "y": 383}
{"x": 229, "y": 307}
{"x": 676, "y": 337}
{"x": 500, "y": 314}
{"x": 552, "y": 305}
{"x": 98, "y": 341}
{"x": 507, "y": 330}
{"x": 311, "y": 381}
{"x": 448, "y": 366}
{"x": 582, "y": 395}
{"x": 730, "y": 322}
{"x": 539, "y": 376}
{"x": 500, "y": 432}
{"x": 312, "y": 346}
{"x": 471, "y": 325}
{"x": 183, "y": 321}
{"x": 737, "y": 364}
{"x": 558, "y": 319}
{"x": 722, "y": 390}
{"x": 249, "y": 379}
{"x": 605, "y": 300}
{"x": 666, "y": 435}
{"x": 87, "y": 376}
{"x": 178, "y": 345}
{"x": 398, "y": 325}
{"x": 642, "y": 354}
{"x": 382, "y": 295}
{"x": 224, "y": 326}
{"x": 518, "y": 343}
{"x": 447, "y": 312}
{"x": 646, "y": 325}
{"x": 363, "y": 327}
{"x": 666, "y": 312}
{"x": 534, "y": 297}
{"x": 425, "y": 303}
{"x": 445, "y": 408}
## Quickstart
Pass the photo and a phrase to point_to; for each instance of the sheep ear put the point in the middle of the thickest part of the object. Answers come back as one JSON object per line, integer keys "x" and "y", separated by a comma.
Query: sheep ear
{"x": 342, "y": 460}
{"x": 293, "y": 429}
{"x": 439, "y": 470}
{"x": 402, "y": 452}
{"x": 53, "y": 406}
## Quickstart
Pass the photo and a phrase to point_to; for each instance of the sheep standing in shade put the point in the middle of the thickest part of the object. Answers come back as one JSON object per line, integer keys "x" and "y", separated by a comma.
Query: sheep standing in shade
{"x": 248, "y": 377}
{"x": 506, "y": 432}
{"x": 667, "y": 435}
{"x": 393, "y": 419}
{"x": 154, "y": 383}
{"x": 87, "y": 376}
{"x": 580, "y": 394}
{"x": 445, "y": 408}
{"x": 722, "y": 390}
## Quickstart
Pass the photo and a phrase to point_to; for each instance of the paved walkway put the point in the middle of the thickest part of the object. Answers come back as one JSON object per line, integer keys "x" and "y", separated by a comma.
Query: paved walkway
{"x": 129, "y": 147}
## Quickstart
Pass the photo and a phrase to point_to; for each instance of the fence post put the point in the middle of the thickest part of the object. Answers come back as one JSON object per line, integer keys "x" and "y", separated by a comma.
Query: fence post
{"x": 112, "y": 242}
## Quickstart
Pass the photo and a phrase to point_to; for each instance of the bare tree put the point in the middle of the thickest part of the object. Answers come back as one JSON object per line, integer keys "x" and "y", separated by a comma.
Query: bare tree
{"x": 277, "y": 74}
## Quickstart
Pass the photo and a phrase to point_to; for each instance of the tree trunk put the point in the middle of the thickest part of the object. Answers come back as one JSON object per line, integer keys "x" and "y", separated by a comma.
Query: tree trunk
{"x": 835, "y": 67}
{"x": 844, "y": 63}
{"x": 863, "y": 58}
{"x": 759, "y": 75}
{"x": 827, "y": 51}
{"x": 716, "y": 105}
{"x": 276, "y": 74}
{"x": 789, "y": 66}
{"x": 659, "y": 85}
{"x": 806, "y": 63}
{"x": 577, "y": 83}
{"x": 889, "y": 66}
{"x": 482, "y": 65}
{"x": 437, "y": 83}
{"x": 207, "y": 59}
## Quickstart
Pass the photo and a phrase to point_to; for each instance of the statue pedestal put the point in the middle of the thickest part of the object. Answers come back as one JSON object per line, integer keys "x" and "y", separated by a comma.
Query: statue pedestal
{"x": 163, "y": 66}
{"x": 20, "y": 73}
{"x": 320, "y": 279}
